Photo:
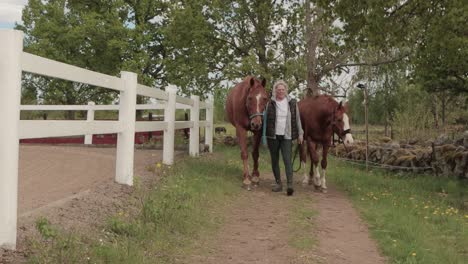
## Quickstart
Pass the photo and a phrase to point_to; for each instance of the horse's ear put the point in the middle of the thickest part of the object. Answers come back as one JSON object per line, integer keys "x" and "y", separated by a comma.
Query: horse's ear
{"x": 252, "y": 81}
{"x": 340, "y": 106}
{"x": 263, "y": 82}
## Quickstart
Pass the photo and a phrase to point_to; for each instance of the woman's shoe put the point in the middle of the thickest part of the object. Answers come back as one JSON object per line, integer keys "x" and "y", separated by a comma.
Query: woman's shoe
{"x": 277, "y": 188}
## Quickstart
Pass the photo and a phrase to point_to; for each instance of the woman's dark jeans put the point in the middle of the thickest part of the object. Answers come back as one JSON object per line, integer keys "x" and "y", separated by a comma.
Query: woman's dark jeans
{"x": 285, "y": 145}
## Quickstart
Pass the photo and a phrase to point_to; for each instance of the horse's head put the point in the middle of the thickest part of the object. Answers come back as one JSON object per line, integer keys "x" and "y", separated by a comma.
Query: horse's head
{"x": 340, "y": 123}
{"x": 256, "y": 102}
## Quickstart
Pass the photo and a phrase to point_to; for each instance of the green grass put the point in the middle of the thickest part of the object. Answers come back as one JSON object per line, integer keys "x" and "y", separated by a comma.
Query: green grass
{"x": 174, "y": 214}
{"x": 414, "y": 218}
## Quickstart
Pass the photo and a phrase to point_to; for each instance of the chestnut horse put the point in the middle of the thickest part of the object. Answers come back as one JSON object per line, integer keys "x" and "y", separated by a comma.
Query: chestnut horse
{"x": 244, "y": 109}
{"x": 321, "y": 116}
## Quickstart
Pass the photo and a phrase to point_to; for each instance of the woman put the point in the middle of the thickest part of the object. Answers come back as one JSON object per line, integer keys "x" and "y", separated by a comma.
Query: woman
{"x": 282, "y": 125}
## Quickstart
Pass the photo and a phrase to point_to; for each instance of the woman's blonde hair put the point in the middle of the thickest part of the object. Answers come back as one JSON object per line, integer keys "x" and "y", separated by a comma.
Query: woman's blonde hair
{"x": 277, "y": 83}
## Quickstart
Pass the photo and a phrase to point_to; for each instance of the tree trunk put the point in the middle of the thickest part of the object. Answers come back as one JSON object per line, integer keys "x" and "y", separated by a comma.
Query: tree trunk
{"x": 444, "y": 108}
{"x": 386, "y": 124}
{"x": 311, "y": 60}
{"x": 435, "y": 112}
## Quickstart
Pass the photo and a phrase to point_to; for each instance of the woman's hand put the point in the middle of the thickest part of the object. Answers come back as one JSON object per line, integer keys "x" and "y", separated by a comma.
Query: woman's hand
{"x": 300, "y": 139}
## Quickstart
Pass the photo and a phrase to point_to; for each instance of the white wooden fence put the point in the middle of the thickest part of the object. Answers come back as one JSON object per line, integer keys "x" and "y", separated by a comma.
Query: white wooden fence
{"x": 13, "y": 61}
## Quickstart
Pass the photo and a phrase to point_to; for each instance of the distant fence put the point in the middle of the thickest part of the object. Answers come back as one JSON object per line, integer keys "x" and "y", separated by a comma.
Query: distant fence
{"x": 13, "y": 61}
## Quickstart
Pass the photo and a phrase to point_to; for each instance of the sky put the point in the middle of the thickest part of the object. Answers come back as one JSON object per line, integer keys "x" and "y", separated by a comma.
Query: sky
{"x": 10, "y": 12}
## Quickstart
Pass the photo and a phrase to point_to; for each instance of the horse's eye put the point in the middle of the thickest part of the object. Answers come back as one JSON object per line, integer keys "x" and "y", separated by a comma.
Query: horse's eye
{"x": 264, "y": 98}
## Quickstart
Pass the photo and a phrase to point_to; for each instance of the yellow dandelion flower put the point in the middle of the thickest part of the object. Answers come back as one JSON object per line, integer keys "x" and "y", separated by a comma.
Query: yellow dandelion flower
{"x": 158, "y": 165}
{"x": 413, "y": 254}
{"x": 426, "y": 217}
{"x": 425, "y": 207}
{"x": 466, "y": 216}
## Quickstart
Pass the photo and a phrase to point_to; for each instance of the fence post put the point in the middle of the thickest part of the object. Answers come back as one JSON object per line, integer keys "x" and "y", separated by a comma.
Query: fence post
{"x": 11, "y": 50}
{"x": 169, "y": 132}
{"x": 89, "y": 118}
{"x": 194, "y": 148}
{"x": 126, "y": 138}
{"x": 209, "y": 122}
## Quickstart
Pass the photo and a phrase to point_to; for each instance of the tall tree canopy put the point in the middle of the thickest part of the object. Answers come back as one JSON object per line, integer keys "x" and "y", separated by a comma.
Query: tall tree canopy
{"x": 202, "y": 45}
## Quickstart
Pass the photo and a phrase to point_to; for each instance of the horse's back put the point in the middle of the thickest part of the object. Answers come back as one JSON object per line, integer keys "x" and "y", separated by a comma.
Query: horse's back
{"x": 313, "y": 111}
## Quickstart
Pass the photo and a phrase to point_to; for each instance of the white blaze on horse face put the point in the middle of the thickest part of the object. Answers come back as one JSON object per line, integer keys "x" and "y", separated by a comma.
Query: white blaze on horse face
{"x": 259, "y": 95}
{"x": 348, "y": 138}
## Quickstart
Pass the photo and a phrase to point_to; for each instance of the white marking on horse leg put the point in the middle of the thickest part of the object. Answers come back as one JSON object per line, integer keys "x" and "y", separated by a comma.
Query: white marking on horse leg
{"x": 247, "y": 181}
{"x": 306, "y": 175}
{"x": 348, "y": 138}
{"x": 317, "y": 180}
{"x": 324, "y": 181}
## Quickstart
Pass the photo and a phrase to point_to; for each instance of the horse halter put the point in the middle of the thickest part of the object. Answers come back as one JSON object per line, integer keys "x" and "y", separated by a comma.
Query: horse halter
{"x": 254, "y": 115}
{"x": 345, "y": 132}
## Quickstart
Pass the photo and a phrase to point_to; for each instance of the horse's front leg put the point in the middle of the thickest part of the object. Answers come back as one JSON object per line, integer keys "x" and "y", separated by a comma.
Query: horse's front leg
{"x": 255, "y": 155}
{"x": 314, "y": 170}
{"x": 303, "y": 157}
{"x": 326, "y": 147}
{"x": 242, "y": 138}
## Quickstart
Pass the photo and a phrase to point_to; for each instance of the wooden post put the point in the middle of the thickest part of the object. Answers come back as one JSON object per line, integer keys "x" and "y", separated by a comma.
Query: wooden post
{"x": 169, "y": 132}
{"x": 89, "y": 118}
{"x": 11, "y": 50}
{"x": 150, "y": 133}
{"x": 366, "y": 106}
{"x": 126, "y": 138}
{"x": 194, "y": 147}
{"x": 209, "y": 122}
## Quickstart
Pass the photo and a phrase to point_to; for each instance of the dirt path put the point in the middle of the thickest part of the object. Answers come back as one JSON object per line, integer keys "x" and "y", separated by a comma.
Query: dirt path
{"x": 73, "y": 187}
{"x": 258, "y": 230}
{"x": 258, "y": 226}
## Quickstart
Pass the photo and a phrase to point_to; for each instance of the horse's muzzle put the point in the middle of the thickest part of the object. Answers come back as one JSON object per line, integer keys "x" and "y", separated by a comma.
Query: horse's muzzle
{"x": 255, "y": 126}
{"x": 256, "y": 121}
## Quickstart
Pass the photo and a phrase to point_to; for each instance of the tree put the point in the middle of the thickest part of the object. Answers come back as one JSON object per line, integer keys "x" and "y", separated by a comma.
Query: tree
{"x": 415, "y": 28}
{"x": 87, "y": 34}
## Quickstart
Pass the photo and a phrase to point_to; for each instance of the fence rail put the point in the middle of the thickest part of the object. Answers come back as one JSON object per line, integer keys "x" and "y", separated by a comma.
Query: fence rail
{"x": 13, "y": 61}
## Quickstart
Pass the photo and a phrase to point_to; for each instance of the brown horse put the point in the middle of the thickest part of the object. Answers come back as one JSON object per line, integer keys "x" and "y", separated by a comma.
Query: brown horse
{"x": 244, "y": 108}
{"x": 321, "y": 116}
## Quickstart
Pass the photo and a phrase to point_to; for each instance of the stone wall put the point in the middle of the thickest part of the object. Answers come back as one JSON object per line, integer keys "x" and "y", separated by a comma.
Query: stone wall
{"x": 443, "y": 157}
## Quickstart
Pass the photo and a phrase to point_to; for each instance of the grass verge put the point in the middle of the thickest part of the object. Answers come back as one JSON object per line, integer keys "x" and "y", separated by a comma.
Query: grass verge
{"x": 414, "y": 218}
{"x": 172, "y": 216}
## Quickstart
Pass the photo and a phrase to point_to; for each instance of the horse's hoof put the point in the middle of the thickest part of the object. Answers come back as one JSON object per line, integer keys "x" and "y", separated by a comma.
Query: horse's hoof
{"x": 255, "y": 181}
{"x": 317, "y": 187}
{"x": 305, "y": 184}
{"x": 247, "y": 182}
{"x": 324, "y": 190}
{"x": 248, "y": 187}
